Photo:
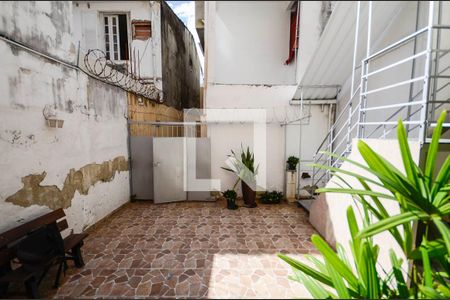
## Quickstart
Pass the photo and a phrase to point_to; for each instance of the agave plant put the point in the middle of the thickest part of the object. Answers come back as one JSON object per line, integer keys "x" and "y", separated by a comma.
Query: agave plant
{"x": 422, "y": 198}
{"x": 243, "y": 166}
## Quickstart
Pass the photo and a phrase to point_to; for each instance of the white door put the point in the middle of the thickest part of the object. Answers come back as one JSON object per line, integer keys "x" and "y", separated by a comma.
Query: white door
{"x": 168, "y": 184}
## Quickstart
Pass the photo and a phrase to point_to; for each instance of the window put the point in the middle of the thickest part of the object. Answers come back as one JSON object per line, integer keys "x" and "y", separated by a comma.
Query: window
{"x": 142, "y": 30}
{"x": 116, "y": 36}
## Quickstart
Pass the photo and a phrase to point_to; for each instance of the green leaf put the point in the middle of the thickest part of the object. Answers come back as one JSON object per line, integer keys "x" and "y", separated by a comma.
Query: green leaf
{"x": 306, "y": 269}
{"x": 317, "y": 291}
{"x": 338, "y": 283}
{"x": 381, "y": 213}
{"x": 388, "y": 223}
{"x": 445, "y": 232}
{"x": 352, "y": 174}
{"x": 397, "y": 270}
{"x": 372, "y": 279}
{"x": 408, "y": 162}
{"x": 430, "y": 293}
{"x": 441, "y": 180}
{"x": 334, "y": 260}
{"x": 434, "y": 248}
{"x": 355, "y": 192}
{"x": 382, "y": 166}
{"x": 444, "y": 290}
{"x": 432, "y": 150}
{"x": 428, "y": 278}
{"x": 353, "y": 227}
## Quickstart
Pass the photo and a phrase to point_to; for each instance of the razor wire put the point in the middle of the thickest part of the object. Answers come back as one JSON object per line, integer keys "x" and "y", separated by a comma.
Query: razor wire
{"x": 105, "y": 69}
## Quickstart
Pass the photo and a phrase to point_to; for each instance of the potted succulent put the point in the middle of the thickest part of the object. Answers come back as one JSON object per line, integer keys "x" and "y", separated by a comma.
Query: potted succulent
{"x": 230, "y": 195}
{"x": 244, "y": 168}
{"x": 273, "y": 197}
{"x": 291, "y": 178}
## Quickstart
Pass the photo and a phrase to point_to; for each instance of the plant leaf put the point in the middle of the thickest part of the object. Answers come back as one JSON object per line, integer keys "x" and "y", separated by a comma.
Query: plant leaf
{"x": 397, "y": 270}
{"x": 355, "y": 192}
{"x": 334, "y": 260}
{"x": 432, "y": 150}
{"x": 388, "y": 223}
{"x": 445, "y": 232}
{"x": 306, "y": 269}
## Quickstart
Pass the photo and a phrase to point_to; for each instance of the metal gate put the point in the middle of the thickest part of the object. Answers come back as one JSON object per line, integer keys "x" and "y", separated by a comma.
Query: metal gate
{"x": 159, "y": 154}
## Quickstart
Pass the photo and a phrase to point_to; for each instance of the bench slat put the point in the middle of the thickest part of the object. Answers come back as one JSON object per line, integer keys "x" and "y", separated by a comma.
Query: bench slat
{"x": 21, "y": 230}
{"x": 62, "y": 225}
{"x": 73, "y": 239}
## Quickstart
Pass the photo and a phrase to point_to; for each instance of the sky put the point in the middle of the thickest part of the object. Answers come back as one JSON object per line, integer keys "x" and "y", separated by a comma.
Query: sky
{"x": 185, "y": 10}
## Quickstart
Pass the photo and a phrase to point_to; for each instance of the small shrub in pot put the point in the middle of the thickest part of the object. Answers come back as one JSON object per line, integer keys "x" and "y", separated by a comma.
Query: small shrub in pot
{"x": 292, "y": 163}
{"x": 273, "y": 197}
{"x": 230, "y": 195}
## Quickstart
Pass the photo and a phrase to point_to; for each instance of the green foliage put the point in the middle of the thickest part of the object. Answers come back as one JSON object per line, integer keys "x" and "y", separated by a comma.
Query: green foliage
{"x": 292, "y": 163}
{"x": 423, "y": 198}
{"x": 273, "y": 197}
{"x": 230, "y": 194}
{"x": 243, "y": 166}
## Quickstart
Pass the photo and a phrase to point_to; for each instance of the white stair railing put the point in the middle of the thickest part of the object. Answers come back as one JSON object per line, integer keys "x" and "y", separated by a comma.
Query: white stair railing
{"x": 421, "y": 110}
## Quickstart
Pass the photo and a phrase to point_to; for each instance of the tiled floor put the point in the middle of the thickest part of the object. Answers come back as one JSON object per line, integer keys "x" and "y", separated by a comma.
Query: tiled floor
{"x": 193, "y": 250}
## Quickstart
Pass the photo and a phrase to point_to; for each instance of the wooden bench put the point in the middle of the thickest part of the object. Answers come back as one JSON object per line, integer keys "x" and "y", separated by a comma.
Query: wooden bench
{"x": 8, "y": 247}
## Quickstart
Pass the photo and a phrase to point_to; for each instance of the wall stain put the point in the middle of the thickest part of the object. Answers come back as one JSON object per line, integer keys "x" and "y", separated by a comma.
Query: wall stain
{"x": 76, "y": 181}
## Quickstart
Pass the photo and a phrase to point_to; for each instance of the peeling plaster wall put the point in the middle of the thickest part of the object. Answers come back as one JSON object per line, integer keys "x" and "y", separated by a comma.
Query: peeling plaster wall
{"x": 91, "y": 146}
{"x": 89, "y": 30}
{"x": 41, "y": 24}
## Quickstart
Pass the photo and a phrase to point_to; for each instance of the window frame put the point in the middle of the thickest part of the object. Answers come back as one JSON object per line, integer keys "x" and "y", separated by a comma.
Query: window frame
{"x": 102, "y": 32}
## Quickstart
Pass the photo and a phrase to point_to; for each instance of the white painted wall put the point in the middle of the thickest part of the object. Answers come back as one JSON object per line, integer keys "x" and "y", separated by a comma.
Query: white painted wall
{"x": 309, "y": 34}
{"x": 249, "y": 42}
{"x": 245, "y": 54}
{"x": 225, "y": 137}
{"x": 89, "y": 30}
{"x": 94, "y": 128}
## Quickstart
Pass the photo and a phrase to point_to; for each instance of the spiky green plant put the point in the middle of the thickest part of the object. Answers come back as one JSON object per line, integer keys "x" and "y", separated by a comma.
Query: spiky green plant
{"x": 243, "y": 166}
{"x": 422, "y": 198}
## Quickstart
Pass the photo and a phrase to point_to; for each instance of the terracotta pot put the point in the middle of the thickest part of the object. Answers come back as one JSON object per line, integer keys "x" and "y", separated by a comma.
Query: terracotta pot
{"x": 248, "y": 195}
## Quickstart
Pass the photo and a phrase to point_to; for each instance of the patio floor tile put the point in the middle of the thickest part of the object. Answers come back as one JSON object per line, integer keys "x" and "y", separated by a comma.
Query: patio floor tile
{"x": 190, "y": 250}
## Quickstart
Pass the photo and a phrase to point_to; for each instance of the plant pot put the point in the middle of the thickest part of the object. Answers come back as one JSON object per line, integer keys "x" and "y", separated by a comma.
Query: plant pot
{"x": 292, "y": 167}
{"x": 248, "y": 195}
{"x": 231, "y": 204}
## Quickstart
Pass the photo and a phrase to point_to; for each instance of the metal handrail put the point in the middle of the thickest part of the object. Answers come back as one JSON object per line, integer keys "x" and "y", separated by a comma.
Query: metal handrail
{"x": 336, "y": 137}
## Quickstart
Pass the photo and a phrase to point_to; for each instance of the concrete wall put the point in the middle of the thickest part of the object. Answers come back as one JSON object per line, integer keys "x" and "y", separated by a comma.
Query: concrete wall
{"x": 250, "y": 43}
{"x": 89, "y": 30}
{"x": 244, "y": 68}
{"x": 181, "y": 66}
{"x": 81, "y": 167}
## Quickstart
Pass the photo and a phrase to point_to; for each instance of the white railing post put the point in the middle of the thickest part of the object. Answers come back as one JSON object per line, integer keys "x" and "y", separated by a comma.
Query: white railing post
{"x": 364, "y": 79}
{"x": 427, "y": 70}
{"x": 355, "y": 52}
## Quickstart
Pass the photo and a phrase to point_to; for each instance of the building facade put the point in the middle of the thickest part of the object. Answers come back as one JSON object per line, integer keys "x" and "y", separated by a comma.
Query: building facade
{"x": 74, "y": 75}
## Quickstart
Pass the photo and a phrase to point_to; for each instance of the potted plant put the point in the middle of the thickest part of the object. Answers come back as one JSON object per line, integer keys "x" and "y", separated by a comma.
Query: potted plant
{"x": 291, "y": 178}
{"x": 273, "y": 197}
{"x": 292, "y": 163}
{"x": 244, "y": 168}
{"x": 230, "y": 195}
